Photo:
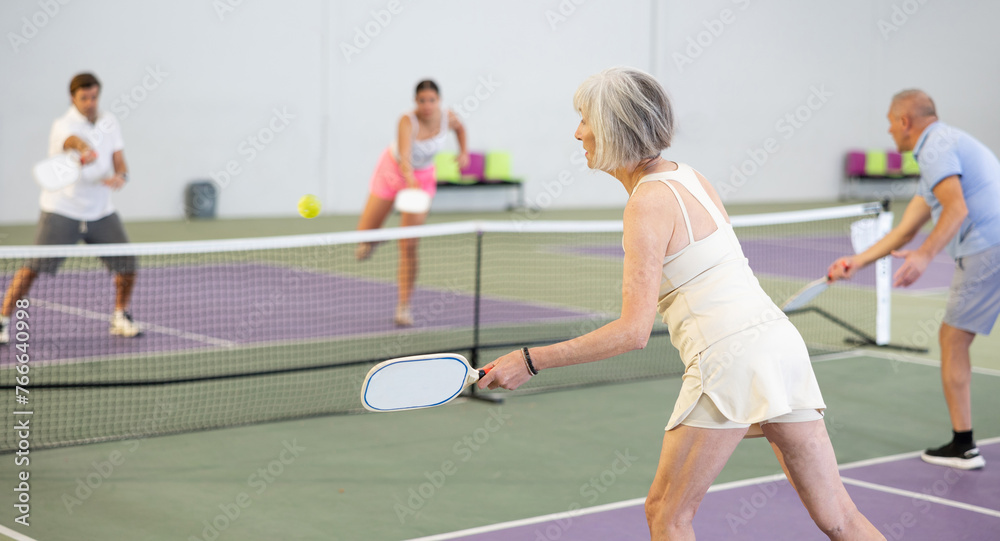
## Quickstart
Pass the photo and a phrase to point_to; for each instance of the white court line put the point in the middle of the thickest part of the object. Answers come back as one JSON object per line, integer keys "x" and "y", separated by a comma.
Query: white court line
{"x": 854, "y": 353}
{"x": 925, "y": 362}
{"x": 16, "y": 536}
{"x": 72, "y": 310}
{"x": 902, "y": 456}
{"x": 717, "y": 488}
{"x": 533, "y": 520}
{"x": 920, "y": 496}
{"x": 919, "y": 293}
{"x": 588, "y": 511}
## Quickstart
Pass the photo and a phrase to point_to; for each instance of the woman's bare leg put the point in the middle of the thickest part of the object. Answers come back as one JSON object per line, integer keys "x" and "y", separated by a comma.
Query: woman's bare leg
{"x": 374, "y": 215}
{"x": 690, "y": 461}
{"x": 408, "y": 265}
{"x": 806, "y": 454}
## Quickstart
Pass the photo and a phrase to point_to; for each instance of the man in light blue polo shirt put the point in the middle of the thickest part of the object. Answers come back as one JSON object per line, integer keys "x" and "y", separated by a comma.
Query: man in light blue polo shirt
{"x": 960, "y": 190}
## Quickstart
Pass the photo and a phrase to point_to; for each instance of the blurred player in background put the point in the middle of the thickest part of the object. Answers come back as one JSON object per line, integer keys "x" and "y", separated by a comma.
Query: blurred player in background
{"x": 83, "y": 210}
{"x": 409, "y": 163}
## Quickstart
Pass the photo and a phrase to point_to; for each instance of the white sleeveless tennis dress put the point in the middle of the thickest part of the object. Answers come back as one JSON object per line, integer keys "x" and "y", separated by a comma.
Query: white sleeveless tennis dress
{"x": 739, "y": 349}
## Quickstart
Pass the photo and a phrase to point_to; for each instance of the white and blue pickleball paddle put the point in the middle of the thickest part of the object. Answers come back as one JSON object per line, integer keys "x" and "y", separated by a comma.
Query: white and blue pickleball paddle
{"x": 419, "y": 381}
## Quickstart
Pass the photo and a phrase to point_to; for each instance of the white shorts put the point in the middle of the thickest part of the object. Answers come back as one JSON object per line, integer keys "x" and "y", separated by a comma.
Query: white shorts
{"x": 706, "y": 415}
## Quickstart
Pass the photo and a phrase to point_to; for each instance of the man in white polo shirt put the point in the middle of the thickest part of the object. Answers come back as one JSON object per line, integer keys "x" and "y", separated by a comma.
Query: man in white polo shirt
{"x": 83, "y": 210}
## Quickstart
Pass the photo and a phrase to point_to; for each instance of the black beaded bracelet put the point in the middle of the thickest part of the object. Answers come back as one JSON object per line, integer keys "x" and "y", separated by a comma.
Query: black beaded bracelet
{"x": 527, "y": 361}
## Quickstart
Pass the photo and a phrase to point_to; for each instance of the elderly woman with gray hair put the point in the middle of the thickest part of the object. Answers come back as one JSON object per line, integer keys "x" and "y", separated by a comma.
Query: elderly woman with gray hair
{"x": 747, "y": 370}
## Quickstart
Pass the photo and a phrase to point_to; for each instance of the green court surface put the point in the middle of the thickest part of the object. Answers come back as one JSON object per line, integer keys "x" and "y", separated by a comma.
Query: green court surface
{"x": 397, "y": 476}
{"x": 404, "y": 475}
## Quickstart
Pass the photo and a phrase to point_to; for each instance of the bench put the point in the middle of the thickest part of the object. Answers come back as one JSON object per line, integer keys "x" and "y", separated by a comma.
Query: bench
{"x": 899, "y": 170}
{"x": 485, "y": 170}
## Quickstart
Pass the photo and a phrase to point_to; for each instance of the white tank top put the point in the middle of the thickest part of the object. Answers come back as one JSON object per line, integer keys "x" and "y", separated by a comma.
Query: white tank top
{"x": 422, "y": 151}
{"x": 707, "y": 290}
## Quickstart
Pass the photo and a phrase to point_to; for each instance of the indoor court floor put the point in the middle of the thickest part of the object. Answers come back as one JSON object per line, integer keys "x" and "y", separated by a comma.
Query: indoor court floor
{"x": 571, "y": 464}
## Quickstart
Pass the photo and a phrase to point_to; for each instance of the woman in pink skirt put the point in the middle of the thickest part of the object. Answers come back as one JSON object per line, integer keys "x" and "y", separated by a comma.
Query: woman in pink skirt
{"x": 409, "y": 163}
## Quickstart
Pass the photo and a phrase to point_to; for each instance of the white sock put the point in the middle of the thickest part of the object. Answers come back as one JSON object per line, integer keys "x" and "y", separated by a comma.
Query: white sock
{"x": 119, "y": 313}
{"x": 4, "y": 320}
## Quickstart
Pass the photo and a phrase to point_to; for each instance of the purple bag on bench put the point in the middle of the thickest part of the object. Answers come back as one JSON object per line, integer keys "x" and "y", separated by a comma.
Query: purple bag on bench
{"x": 855, "y": 164}
{"x": 474, "y": 171}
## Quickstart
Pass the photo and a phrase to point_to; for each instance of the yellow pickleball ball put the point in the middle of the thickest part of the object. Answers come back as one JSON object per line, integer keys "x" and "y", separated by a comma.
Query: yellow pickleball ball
{"x": 309, "y": 206}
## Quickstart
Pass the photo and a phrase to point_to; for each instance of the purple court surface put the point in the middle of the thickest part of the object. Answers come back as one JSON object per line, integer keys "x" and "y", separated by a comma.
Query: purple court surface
{"x": 903, "y": 497}
{"x": 805, "y": 258}
{"x": 220, "y": 306}
{"x": 223, "y": 306}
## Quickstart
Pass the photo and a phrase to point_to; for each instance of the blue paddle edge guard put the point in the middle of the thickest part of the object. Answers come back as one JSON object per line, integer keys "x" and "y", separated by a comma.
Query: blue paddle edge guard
{"x": 422, "y": 358}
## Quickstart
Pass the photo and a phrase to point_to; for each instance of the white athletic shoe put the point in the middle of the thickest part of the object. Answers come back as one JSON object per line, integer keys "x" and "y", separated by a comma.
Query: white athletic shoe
{"x": 122, "y": 325}
{"x": 404, "y": 318}
{"x": 4, "y": 330}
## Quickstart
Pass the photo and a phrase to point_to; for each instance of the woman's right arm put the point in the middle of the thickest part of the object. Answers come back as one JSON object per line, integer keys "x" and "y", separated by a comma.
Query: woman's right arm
{"x": 403, "y": 144}
{"x": 646, "y": 236}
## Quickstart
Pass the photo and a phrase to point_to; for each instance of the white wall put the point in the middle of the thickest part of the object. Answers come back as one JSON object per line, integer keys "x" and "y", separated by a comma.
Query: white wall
{"x": 223, "y": 76}
{"x": 765, "y": 64}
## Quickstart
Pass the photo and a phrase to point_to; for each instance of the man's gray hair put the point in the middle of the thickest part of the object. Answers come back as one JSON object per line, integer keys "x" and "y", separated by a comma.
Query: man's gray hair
{"x": 629, "y": 113}
{"x": 920, "y": 105}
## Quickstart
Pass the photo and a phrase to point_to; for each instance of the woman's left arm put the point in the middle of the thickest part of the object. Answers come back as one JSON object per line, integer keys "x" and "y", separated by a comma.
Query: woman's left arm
{"x": 646, "y": 236}
{"x": 456, "y": 125}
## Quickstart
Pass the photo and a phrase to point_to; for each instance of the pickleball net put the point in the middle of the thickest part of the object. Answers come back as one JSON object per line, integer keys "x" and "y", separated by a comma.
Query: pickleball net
{"x": 255, "y": 330}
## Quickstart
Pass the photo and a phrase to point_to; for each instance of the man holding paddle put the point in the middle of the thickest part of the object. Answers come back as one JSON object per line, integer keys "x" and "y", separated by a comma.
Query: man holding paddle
{"x": 82, "y": 210}
{"x": 960, "y": 190}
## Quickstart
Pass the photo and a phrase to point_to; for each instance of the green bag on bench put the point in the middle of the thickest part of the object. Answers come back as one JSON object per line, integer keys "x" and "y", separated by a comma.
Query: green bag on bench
{"x": 498, "y": 167}
{"x": 446, "y": 168}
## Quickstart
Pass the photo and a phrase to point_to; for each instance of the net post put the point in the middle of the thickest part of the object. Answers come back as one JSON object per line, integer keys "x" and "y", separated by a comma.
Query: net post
{"x": 477, "y": 299}
{"x": 883, "y": 282}
{"x": 476, "y": 305}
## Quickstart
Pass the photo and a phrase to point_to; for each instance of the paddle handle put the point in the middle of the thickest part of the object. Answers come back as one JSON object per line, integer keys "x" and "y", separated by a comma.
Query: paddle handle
{"x": 484, "y": 372}
{"x": 829, "y": 277}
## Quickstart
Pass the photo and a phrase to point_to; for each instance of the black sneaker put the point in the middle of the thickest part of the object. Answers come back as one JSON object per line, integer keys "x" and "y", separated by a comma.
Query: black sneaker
{"x": 4, "y": 331}
{"x": 961, "y": 457}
